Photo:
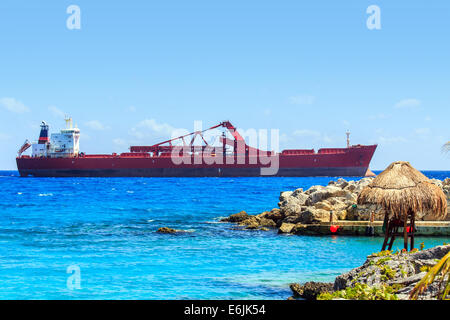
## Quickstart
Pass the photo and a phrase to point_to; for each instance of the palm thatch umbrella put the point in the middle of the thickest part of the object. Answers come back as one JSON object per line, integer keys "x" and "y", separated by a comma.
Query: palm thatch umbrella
{"x": 403, "y": 191}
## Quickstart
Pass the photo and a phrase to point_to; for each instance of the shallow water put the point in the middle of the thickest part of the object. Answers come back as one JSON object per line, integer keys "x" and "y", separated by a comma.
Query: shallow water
{"x": 106, "y": 227}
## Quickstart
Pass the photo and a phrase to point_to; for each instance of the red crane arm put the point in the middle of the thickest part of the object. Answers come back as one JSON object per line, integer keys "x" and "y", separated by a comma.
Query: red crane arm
{"x": 158, "y": 147}
{"x": 232, "y": 129}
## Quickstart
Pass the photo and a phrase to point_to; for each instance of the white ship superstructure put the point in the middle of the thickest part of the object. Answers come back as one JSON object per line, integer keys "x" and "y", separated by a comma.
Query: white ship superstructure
{"x": 64, "y": 144}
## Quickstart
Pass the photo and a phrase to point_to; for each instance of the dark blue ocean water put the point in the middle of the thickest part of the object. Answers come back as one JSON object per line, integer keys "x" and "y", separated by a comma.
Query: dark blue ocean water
{"x": 105, "y": 228}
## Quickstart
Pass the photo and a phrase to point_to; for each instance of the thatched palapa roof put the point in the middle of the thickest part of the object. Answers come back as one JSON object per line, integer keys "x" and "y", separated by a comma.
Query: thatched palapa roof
{"x": 401, "y": 189}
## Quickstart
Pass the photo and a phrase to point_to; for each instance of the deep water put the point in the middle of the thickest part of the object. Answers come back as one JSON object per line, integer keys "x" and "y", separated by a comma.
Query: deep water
{"x": 106, "y": 228}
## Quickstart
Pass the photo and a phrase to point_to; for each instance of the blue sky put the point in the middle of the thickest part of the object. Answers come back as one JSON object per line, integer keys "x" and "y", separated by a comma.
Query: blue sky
{"x": 312, "y": 69}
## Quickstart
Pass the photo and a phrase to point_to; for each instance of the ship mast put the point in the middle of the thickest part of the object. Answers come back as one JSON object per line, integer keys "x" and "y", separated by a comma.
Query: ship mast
{"x": 69, "y": 123}
{"x": 348, "y": 138}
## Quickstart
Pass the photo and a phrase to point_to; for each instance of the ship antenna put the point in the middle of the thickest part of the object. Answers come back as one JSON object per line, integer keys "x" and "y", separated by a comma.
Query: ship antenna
{"x": 348, "y": 138}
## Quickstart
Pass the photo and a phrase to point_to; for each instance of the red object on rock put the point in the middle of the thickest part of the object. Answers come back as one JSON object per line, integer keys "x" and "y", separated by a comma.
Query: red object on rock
{"x": 408, "y": 229}
{"x": 333, "y": 229}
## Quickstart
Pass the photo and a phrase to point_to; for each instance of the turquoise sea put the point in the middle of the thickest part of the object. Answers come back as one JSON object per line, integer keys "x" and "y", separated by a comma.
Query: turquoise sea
{"x": 94, "y": 238}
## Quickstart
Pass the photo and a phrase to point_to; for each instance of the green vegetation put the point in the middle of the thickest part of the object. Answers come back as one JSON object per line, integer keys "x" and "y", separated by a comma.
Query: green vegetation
{"x": 361, "y": 291}
{"x": 425, "y": 268}
{"x": 387, "y": 273}
{"x": 402, "y": 271}
{"x": 381, "y": 254}
{"x": 382, "y": 260}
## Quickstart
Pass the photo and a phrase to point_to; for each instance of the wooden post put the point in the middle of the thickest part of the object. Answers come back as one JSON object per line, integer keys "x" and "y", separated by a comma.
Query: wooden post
{"x": 393, "y": 232}
{"x": 413, "y": 226}
{"x": 405, "y": 232}
{"x": 386, "y": 232}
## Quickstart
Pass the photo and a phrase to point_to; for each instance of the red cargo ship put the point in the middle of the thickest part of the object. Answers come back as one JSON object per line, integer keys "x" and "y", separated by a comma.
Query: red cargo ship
{"x": 59, "y": 156}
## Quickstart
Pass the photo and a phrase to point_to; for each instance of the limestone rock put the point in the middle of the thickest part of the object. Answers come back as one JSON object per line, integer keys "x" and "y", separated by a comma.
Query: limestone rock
{"x": 286, "y": 227}
{"x": 263, "y": 222}
{"x": 166, "y": 230}
{"x": 401, "y": 269}
{"x": 319, "y": 195}
{"x": 292, "y": 202}
{"x": 310, "y": 290}
{"x": 255, "y": 222}
{"x": 275, "y": 215}
{"x": 313, "y": 215}
{"x": 237, "y": 217}
{"x": 250, "y": 223}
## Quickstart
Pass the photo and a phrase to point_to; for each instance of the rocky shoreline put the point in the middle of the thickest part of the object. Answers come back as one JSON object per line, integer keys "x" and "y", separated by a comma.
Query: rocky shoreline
{"x": 301, "y": 212}
{"x": 385, "y": 275}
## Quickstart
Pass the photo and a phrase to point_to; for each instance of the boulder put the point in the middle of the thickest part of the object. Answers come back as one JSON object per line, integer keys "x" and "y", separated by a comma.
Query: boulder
{"x": 324, "y": 205}
{"x": 286, "y": 227}
{"x": 342, "y": 183}
{"x": 254, "y": 222}
{"x": 327, "y": 192}
{"x": 274, "y": 214}
{"x": 446, "y": 182}
{"x": 310, "y": 290}
{"x": 313, "y": 215}
{"x": 291, "y": 202}
{"x": 268, "y": 223}
{"x": 361, "y": 184}
{"x": 314, "y": 189}
{"x": 292, "y": 219}
{"x": 237, "y": 217}
{"x": 166, "y": 230}
{"x": 250, "y": 223}
{"x": 284, "y": 196}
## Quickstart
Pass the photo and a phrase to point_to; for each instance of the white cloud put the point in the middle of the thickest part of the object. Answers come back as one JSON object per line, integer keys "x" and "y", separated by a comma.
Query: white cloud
{"x": 149, "y": 127}
{"x": 132, "y": 109}
{"x": 307, "y": 133}
{"x": 422, "y": 131}
{"x": 57, "y": 112}
{"x": 313, "y": 136}
{"x": 302, "y": 99}
{"x": 13, "y": 105}
{"x": 119, "y": 142}
{"x": 4, "y": 136}
{"x": 408, "y": 104}
{"x": 380, "y": 116}
{"x": 327, "y": 138}
{"x": 423, "y": 134}
{"x": 96, "y": 125}
{"x": 284, "y": 138}
{"x": 386, "y": 140}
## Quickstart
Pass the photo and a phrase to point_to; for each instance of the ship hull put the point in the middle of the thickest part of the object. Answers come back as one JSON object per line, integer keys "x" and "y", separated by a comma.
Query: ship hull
{"x": 350, "y": 162}
{"x": 195, "y": 172}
